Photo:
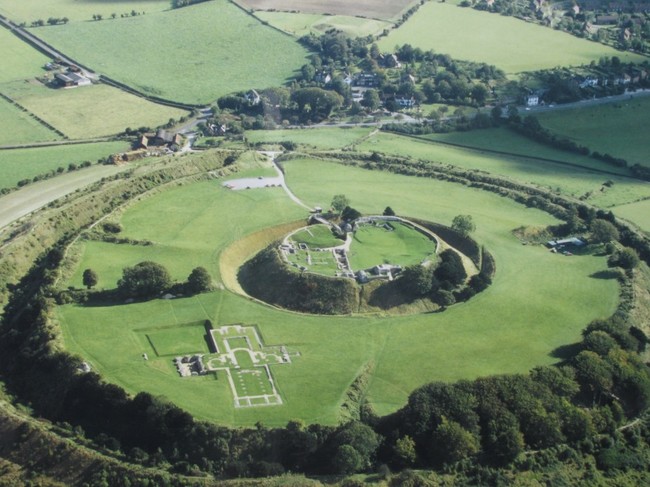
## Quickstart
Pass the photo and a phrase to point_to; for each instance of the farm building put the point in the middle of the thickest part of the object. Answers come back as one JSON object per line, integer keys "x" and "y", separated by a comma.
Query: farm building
{"x": 575, "y": 241}
{"x": 71, "y": 80}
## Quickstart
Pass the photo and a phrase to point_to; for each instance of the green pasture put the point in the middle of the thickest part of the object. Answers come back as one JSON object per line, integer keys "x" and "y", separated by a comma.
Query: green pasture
{"x": 372, "y": 245}
{"x": 300, "y": 24}
{"x": 18, "y": 127}
{"x": 504, "y": 140}
{"x": 538, "y": 302}
{"x": 321, "y": 138}
{"x": 20, "y": 62}
{"x": 19, "y": 164}
{"x": 568, "y": 180}
{"x": 317, "y": 236}
{"x": 94, "y": 111}
{"x": 194, "y": 54}
{"x": 506, "y": 42}
{"x": 31, "y": 10}
{"x": 638, "y": 213}
{"x": 619, "y": 128}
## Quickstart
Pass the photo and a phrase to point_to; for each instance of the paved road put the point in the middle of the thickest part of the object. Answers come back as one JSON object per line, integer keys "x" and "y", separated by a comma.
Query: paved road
{"x": 30, "y": 198}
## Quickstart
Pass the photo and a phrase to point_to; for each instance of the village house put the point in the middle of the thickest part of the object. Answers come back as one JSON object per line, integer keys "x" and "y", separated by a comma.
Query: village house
{"x": 368, "y": 80}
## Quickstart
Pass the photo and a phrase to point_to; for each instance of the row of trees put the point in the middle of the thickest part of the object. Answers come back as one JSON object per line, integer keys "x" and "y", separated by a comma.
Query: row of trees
{"x": 149, "y": 279}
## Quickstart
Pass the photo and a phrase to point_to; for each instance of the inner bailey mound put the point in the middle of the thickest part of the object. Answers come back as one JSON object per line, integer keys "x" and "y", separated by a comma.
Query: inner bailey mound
{"x": 266, "y": 277}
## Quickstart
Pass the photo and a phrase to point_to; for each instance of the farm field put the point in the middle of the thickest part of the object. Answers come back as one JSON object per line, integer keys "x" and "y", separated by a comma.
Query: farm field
{"x": 20, "y": 62}
{"x": 403, "y": 246}
{"x": 568, "y": 180}
{"x": 201, "y": 71}
{"x": 508, "y": 328}
{"x": 321, "y": 138}
{"x": 374, "y": 9}
{"x": 638, "y": 212}
{"x": 30, "y": 10}
{"x": 18, "y": 127}
{"x": 508, "y": 43}
{"x": 19, "y": 164}
{"x": 94, "y": 111}
{"x": 90, "y": 111}
{"x": 299, "y": 24}
{"x": 619, "y": 129}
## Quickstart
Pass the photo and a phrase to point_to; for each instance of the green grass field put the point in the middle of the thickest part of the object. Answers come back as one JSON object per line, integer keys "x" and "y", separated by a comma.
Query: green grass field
{"x": 571, "y": 181}
{"x": 317, "y": 236}
{"x": 85, "y": 112}
{"x": 508, "y": 43}
{"x": 30, "y": 10}
{"x": 638, "y": 213}
{"x": 300, "y": 24}
{"x": 403, "y": 246}
{"x": 321, "y": 138}
{"x": 194, "y": 54}
{"x": 18, "y": 127}
{"x": 539, "y": 301}
{"x": 95, "y": 111}
{"x": 620, "y": 129}
{"x": 18, "y": 164}
{"x": 177, "y": 340}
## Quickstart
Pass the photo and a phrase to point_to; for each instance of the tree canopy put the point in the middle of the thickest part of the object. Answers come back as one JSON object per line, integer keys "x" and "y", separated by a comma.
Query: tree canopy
{"x": 463, "y": 224}
{"x": 199, "y": 280}
{"x": 90, "y": 278}
{"x": 144, "y": 280}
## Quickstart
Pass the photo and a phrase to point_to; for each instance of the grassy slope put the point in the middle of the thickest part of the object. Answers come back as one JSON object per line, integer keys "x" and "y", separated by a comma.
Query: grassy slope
{"x": 30, "y": 10}
{"x": 193, "y": 54}
{"x": 510, "y": 328}
{"x": 18, "y": 164}
{"x": 322, "y": 138}
{"x": 299, "y": 24}
{"x": 568, "y": 180}
{"x": 506, "y": 42}
{"x": 620, "y": 129}
{"x": 638, "y": 213}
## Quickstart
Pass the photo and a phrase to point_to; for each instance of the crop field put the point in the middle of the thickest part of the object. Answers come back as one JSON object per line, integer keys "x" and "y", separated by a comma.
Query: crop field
{"x": 508, "y": 43}
{"x": 508, "y": 328}
{"x": 170, "y": 63}
{"x": 19, "y": 164}
{"x": 375, "y": 245}
{"x": 321, "y": 138}
{"x": 374, "y": 9}
{"x": 565, "y": 179}
{"x": 619, "y": 129}
{"x": 30, "y": 10}
{"x": 298, "y": 24}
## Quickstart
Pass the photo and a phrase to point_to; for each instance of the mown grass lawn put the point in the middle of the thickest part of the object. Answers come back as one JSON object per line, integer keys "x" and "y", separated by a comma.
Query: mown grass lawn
{"x": 508, "y": 43}
{"x": 19, "y": 164}
{"x": 538, "y": 302}
{"x": 317, "y": 236}
{"x": 194, "y": 54}
{"x": 403, "y": 246}
{"x": 619, "y": 129}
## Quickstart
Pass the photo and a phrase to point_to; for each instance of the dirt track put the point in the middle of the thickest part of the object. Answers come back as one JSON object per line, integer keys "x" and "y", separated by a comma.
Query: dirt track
{"x": 34, "y": 196}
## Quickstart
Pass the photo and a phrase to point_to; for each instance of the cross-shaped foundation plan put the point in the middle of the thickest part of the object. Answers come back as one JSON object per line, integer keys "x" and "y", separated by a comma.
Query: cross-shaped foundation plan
{"x": 238, "y": 351}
